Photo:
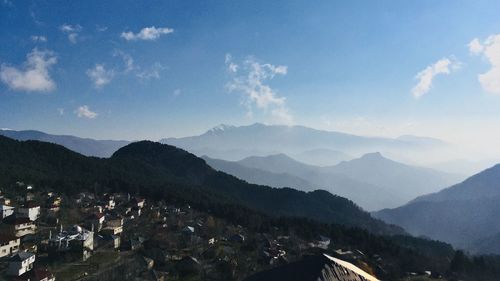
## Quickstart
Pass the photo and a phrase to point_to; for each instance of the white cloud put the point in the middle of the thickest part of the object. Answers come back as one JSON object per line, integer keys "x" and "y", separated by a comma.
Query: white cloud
{"x": 490, "y": 49}
{"x": 60, "y": 111}
{"x": 84, "y": 112}
{"x": 100, "y": 76}
{"x": 72, "y": 31}
{"x": 231, "y": 66}
{"x": 34, "y": 75}
{"x": 147, "y": 33}
{"x": 256, "y": 93}
{"x": 101, "y": 28}
{"x": 70, "y": 28}
{"x": 426, "y": 76}
{"x": 127, "y": 60}
{"x": 177, "y": 92}
{"x": 475, "y": 47}
{"x": 152, "y": 73}
{"x": 38, "y": 38}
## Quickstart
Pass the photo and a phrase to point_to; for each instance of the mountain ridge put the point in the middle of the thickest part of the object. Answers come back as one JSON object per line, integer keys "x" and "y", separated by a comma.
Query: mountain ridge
{"x": 85, "y": 146}
{"x": 462, "y": 214}
{"x": 157, "y": 169}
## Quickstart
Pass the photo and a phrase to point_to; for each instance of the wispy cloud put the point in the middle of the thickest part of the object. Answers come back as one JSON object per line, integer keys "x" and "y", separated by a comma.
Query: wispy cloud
{"x": 147, "y": 33}
{"x": 72, "y": 31}
{"x": 38, "y": 38}
{"x": 84, "y": 112}
{"x": 231, "y": 66}
{"x": 426, "y": 76}
{"x": 152, "y": 73}
{"x": 34, "y": 75}
{"x": 100, "y": 76}
{"x": 490, "y": 49}
{"x": 127, "y": 60}
{"x": 60, "y": 111}
{"x": 101, "y": 28}
{"x": 250, "y": 79}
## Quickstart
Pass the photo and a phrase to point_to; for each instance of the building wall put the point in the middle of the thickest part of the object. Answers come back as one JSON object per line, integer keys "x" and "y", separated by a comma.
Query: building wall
{"x": 9, "y": 248}
{"x": 31, "y": 213}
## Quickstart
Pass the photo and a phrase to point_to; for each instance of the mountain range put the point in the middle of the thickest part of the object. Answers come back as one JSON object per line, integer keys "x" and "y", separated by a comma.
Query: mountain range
{"x": 371, "y": 181}
{"x": 85, "y": 146}
{"x": 234, "y": 143}
{"x": 164, "y": 171}
{"x": 464, "y": 214}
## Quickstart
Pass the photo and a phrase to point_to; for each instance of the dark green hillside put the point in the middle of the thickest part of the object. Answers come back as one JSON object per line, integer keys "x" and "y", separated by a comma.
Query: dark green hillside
{"x": 150, "y": 167}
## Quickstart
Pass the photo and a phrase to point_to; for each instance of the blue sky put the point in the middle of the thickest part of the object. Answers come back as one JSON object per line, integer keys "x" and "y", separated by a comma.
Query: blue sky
{"x": 152, "y": 69}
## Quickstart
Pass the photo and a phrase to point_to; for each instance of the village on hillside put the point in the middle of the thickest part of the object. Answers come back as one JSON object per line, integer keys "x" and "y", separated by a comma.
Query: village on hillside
{"x": 47, "y": 236}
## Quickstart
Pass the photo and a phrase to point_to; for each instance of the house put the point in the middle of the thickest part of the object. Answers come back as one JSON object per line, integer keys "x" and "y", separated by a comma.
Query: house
{"x": 133, "y": 244}
{"x": 29, "y": 196}
{"x": 323, "y": 242}
{"x": 17, "y": 226}
{"x": 109, "y": 202}
{"x": 75, "y": 239}
{"x": 83, "y": 199}
{"x": 29, "y": 246}
{"x": 112, "y": 230}
{"x": 114, "y": 225}
{"x": 21, "y": 263}
{"x": 8, "y": 245}
{"x": 54, "y": 203}
{"x": 96, "y": 220}
{"x": 6, "y": 210}
{"x": 115, "y": 239}
{"x": 37, "y": 274}
{"x": 114, "y": 220}
{"x": 4, "y": 200}
{"x": 30, "y": 210}
{"x": 188, "y": 230}
{"x": 138, "y": 202}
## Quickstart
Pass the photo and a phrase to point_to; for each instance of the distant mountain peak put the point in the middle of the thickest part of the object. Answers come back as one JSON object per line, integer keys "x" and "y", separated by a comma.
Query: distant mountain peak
{"x": 373, "y": 156}
{"x": 221, "y": 128}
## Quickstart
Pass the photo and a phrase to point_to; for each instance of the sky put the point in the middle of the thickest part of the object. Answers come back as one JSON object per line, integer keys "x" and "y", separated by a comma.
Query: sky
{"x": 153, "y": 69}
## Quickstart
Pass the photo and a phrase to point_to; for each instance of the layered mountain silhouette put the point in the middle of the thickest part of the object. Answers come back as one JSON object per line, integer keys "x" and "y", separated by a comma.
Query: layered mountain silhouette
{"x": 234, "y": 143}
{"x": 258, "y": 176}
{"x": 162, "y": 170}
{"x": 465, "y": 215}
{"x": 372, "y": 181}
{"x": 85, "y": 146}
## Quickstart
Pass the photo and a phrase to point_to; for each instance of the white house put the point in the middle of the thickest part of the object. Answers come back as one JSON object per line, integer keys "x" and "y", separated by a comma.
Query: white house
{"x": 21, "y": 263}
{"x": 139, "y": 202}
{"x": 6, "y": 210}
{"x": 17, "y": 226}
{"x": 8, "y": 245}
{"x": 29, "y": 210}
